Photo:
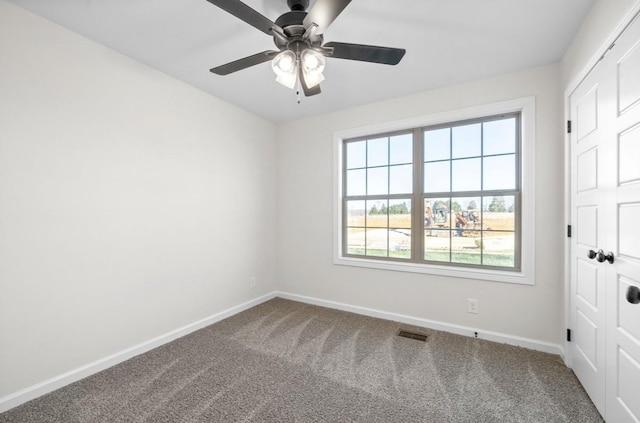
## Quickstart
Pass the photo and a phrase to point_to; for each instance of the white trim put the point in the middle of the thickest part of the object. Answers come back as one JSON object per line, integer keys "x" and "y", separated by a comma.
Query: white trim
{"x": 567, "y": 240}
{"x": 518, "y": 341}
{"x": 573, "y": 84}
{"x": 526, "y": 276}
{"x": 13, "y": 400}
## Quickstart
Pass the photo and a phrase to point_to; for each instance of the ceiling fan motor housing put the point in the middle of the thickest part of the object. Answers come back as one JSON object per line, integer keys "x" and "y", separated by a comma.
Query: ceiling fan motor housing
{"x": 293, "y": 27}
{"x": 293, "y": 18}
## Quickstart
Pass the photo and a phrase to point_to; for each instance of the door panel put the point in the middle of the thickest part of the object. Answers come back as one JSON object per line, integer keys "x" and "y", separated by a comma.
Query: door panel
{"x": 628, "y": 153}
{"x": 587, "y": 340}
{"x": 587, "y": 114}
{"x": 587, "y": 282}
{"x": 629, "y": 83}
{"x": 628, "y": 238}
{"x": 587, "y": 226}
{"x": 588, "y": 170}
{"x": 629, "y": 388}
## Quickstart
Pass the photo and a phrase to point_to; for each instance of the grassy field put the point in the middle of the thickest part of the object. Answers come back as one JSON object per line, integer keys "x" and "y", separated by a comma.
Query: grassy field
{"x": 490, "y": 242}
{"x": 488, "y": 259}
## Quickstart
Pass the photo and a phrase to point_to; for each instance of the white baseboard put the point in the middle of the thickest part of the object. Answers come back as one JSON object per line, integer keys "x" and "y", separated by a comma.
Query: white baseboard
{"x": 13, "y": 400}
{"x": 432, "y": 324}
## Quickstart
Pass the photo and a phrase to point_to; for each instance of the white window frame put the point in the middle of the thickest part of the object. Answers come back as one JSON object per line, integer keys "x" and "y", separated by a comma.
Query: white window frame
{"x": 526, "y": 107}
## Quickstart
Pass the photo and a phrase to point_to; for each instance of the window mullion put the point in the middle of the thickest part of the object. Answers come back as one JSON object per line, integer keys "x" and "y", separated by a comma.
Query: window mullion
{"x": 417, "y": 221}
{"x": 388, "y": 193}
{"x": 345, "y": 214}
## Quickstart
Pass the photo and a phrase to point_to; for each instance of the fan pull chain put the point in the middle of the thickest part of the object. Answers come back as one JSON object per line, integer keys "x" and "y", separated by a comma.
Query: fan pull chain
{"x": 298, "y": 91}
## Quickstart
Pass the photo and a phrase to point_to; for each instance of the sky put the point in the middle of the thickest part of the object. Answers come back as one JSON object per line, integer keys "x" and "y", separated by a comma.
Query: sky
{"x": 463, "y": 158}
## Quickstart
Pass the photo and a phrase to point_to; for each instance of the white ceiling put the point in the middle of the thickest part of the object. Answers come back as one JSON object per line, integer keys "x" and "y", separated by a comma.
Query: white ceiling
{"x": 447, "y": 42}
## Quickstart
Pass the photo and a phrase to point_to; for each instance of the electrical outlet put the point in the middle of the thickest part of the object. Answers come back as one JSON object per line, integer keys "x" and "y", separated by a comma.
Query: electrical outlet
{"x": 472, "y": 305}
{"x": 252, "y": 282}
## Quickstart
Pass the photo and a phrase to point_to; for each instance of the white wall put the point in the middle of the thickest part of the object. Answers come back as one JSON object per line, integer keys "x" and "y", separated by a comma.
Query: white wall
{"x": 131, "y": 204}
{"x": 305, "y": 240}
{"x": 600, "y": 24}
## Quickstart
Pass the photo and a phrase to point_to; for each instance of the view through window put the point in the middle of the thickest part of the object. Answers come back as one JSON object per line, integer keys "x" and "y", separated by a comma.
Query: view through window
{"x": 446, "y": 194}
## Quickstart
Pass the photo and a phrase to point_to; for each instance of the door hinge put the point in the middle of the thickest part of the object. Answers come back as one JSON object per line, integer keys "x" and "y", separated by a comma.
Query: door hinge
{"x": 608, "y": 50}
{"x": 568, "y": 231}
{"x": 568, "y": 335}
{"x": 568, "y": 127}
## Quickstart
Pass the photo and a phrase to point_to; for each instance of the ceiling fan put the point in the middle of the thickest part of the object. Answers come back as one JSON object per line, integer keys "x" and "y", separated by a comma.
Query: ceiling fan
{"x": 300, "y": 58}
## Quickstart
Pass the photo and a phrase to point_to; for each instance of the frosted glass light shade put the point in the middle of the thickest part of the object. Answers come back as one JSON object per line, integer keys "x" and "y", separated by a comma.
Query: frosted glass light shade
{"x": 285, "y": 67}
{"x": 312, "y": 61}
{"x": 284, "y": 63}
{"x": 313, "y": 64}
{"x": 313, "y": 78}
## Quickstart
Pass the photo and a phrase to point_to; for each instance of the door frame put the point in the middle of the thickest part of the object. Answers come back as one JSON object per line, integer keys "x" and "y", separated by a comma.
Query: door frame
{"x": 571, "y": 87}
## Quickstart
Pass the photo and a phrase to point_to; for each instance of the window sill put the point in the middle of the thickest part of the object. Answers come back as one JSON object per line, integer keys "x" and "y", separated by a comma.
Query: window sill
{"x": 454, "y": 272}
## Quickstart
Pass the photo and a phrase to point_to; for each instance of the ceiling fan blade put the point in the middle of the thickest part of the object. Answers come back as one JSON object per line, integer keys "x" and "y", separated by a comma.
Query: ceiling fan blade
{"x": 374, "y": 54}
{"x": 324, "y": 12}
{"x": 308, "y": 92}
{"x": 244, "y": 63}
{"x": 245, "y": 13}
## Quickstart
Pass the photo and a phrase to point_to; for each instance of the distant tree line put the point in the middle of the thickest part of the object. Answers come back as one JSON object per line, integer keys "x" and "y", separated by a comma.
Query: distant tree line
{"x": 394, "y": 209}
{"x": 497, "y": 205}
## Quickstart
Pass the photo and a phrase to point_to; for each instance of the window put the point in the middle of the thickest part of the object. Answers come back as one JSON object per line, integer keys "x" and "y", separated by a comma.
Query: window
{"x": 444, "y": 197}
{"x": 379, "y": 185}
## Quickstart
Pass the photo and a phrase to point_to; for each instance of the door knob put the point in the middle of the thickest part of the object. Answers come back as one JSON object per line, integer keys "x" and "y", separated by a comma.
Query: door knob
{"x": 591, "y": 254}
{"x": 602, "y": 257}
{"x": 633, "y": 295}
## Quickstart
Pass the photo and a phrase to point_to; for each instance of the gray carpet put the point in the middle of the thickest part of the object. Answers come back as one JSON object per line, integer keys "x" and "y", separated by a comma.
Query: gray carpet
{"x": 285, "y": 361}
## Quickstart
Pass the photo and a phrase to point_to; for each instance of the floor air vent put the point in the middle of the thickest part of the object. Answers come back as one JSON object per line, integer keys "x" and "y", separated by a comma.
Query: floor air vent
{"x": 412, "y": 335}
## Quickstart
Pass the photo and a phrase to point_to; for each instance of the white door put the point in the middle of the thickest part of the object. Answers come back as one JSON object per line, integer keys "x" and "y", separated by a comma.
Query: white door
{"x": 605, "y": 211}
{"x": 588, "y": 317}
{"x": 622, "y": 223}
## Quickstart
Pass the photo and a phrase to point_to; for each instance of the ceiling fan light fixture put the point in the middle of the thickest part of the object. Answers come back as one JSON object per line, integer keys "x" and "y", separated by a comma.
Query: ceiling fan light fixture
{"x": 312, "y": 61}
{"x": 313, "y": 78}
{"x": 285, "y": 66}
{"x": 284, "y": 63}
{"x": 288, "y": 81}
